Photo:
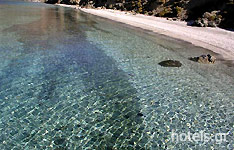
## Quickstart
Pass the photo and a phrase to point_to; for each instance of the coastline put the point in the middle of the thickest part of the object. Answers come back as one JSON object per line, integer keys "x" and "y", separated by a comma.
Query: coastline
{"x": 217, "y": 40}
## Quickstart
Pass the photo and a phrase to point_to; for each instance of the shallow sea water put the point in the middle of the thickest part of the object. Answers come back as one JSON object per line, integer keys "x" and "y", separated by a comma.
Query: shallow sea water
{"x": 69, "y": 80}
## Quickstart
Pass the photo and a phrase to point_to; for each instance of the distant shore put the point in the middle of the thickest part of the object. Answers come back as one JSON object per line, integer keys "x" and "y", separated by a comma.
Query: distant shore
{"x": 217, "y": 40}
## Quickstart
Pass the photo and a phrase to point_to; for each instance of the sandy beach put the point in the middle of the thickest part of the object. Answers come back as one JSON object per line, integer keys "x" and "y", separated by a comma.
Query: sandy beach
{"x": 215, "y": 39}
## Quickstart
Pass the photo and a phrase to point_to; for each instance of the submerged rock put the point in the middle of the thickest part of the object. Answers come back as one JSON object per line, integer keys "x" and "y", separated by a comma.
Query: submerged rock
{"x": 204, "y": 59}
{"x": 170, "y": 63}
{"x": 59, "y": 141}
{"x": 140, "y": 114}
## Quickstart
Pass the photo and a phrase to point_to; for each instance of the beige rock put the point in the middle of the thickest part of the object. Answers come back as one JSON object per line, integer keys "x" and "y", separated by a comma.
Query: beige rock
{"x": 206, "y": 59}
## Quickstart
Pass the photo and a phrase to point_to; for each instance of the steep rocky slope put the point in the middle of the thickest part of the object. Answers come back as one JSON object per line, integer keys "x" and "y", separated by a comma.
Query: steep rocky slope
{"x": 197, "y": 12}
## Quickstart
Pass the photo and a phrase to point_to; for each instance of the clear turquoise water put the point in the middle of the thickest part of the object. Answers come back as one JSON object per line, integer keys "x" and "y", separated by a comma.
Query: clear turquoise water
{"x": 69, "y": 80}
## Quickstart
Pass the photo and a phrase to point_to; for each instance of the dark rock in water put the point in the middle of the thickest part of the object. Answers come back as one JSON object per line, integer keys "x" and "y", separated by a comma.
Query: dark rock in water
{"x": 59, "y": 141}
{"x": 51, "y": 1}
{"x": 140, "y": 115}
{"x": 204, "y": 59}
{"x": 170, "y": 63}
{"x": 126, "y": 116}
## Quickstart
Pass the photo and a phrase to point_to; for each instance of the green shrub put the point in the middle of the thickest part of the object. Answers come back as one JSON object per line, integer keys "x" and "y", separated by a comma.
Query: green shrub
{"x": 139, "y": 5}
{"x": 164, "y": 12}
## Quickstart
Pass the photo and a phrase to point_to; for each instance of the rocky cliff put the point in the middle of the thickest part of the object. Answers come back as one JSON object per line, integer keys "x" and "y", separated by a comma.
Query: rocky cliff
{"x": 197, "y": 12}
